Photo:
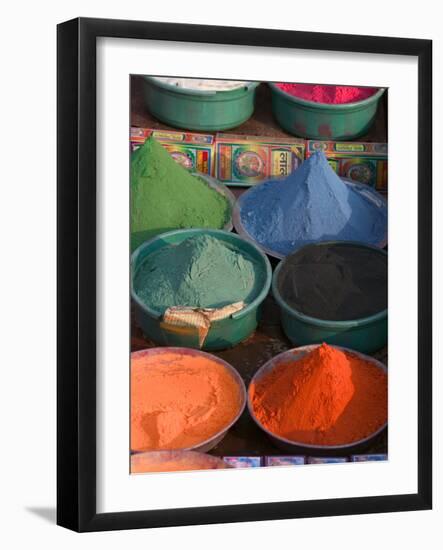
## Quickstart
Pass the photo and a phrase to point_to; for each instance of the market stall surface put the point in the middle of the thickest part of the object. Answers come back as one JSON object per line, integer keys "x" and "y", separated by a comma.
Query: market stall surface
{"x": 245, "y": 438}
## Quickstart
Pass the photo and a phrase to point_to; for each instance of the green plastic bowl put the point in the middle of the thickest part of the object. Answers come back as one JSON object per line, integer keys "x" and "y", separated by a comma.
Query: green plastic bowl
{"x": 366, "y": 335}
{"x": 222, "y": 334}
{"x": 199, "y": 109}
{"x": 313, "y": 120}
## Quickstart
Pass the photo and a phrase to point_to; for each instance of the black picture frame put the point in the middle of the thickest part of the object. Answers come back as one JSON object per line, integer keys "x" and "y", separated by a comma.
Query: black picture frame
{"x": 76, "y": 277}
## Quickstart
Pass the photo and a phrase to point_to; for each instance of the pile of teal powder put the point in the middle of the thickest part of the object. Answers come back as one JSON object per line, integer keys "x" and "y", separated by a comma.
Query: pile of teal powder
{"x": 312, "y": 204}
{"x": 201, "y": 271}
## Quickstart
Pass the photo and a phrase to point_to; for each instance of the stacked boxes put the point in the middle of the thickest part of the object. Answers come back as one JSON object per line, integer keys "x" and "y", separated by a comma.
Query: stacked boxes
{"x": 238, "y": 160}
{"x": 298, "y": 460}
{"x": 363, "y": 162}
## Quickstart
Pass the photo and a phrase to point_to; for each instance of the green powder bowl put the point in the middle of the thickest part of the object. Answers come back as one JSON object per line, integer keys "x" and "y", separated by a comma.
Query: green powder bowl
{"x": 224, "y": 333}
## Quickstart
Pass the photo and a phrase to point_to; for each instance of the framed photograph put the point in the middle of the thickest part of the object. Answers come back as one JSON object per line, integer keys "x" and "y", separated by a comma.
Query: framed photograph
{"x": 228, "y": 199}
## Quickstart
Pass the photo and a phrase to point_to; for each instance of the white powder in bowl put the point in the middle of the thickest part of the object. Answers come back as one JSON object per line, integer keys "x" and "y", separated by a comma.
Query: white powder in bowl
{"x": 198, "y": 84}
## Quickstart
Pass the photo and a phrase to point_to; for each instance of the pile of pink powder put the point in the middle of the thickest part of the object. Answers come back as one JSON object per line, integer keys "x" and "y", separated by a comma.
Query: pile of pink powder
{"x": 327, "y": 94}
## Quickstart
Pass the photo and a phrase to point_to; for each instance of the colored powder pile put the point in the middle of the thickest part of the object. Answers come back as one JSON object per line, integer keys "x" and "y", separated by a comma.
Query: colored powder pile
{"x": 327, "y": 94}
{"x": 328, "y": 397}
{"x": 174, "y": 461}
{"x": 312, "y": 204}
{"x": 202, "y": 84}
{"x": 201, "y": 271}
{"x": 165, "y": 196}
{"x": 179, "y": 400}
{"x": 335, "y": 282}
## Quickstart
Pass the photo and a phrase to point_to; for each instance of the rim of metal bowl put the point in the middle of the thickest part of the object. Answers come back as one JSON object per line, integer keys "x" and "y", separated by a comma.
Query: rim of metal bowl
{"x": 314, "y": 320}
{"x": 222, "y": 189}
{"x": 333, "y": 106}
{"x": 167, "y": 454}
{"x": 192, "y": 352}
{"x": 301, "y": 352}
{"x": 368, "y": 192}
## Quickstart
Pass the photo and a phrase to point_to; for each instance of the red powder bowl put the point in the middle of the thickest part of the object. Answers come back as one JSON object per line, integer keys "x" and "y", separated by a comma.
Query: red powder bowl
{"x": 295, "y": 447}
{"x": 320, "y": 93}
{"x": 325, "y": 112}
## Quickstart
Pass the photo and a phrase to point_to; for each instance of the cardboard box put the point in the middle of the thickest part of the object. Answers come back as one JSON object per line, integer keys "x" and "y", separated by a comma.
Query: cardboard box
{"x": 284, "y": 460}
{"x": 243, "y": 461}
{"x": 363, "y": 162}
{"x": 326, "y": 459}
{"x": 369, "y": 458}
{"x": 195, "y": 152}
{"x": 248, "y": 160}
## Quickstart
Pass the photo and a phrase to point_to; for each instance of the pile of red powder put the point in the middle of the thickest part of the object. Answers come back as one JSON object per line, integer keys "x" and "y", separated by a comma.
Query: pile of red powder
{"x": 327, "y": 94}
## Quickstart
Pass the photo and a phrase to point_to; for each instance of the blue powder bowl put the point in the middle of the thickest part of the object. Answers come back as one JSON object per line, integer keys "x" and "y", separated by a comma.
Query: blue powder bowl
{"x": 366, "y": 335}
{"x": 281, "y": 251}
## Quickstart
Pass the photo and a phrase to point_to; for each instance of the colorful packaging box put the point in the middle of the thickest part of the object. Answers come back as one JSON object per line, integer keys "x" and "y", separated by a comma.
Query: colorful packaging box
{"x": 327, "y": 459}
{"x": 363, "y": 162}
{"x": 195, "y": 152}
{"x": 284, "y": 460}
{"x": 243, "y": 461}
{"x": 369, "y": 458}
{"x": 247, "y": 160}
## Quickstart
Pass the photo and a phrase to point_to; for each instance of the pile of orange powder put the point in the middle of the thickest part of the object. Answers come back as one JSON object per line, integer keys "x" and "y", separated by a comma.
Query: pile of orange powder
{"x": 174, "y": 461}
{"x": 179, "y": 400}
{"x": 328, "y": 397}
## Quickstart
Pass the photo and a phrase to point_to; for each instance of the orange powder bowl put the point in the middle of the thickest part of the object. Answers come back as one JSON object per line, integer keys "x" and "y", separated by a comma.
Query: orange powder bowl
{"x": 182, "y": 399}
{"x": 293, "y": 445}
{"x": 175, "y": 461}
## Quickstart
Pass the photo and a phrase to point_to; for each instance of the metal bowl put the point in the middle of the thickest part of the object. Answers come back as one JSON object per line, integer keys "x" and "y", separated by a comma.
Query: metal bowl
{"x": 153, "y": 461}
{"x": 298, "y": 446}
{"x": 368, "y": 192}
{"x": 208, "y": 444}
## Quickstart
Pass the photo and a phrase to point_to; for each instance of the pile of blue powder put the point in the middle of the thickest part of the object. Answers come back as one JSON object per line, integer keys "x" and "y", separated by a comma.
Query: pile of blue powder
{"x": 312, "y": 204}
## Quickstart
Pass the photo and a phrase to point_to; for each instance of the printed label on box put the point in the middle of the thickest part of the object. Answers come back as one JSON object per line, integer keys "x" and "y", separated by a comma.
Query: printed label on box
{"x": 251, "y": 160}
{"x": 369, "y": 458}
{"x": 326, "y": 459}
{"x": 243, "y": 461}
{"x": 195, "y": 152}
{"x": 363, "y": 162}
{"x": 284, "y": 460}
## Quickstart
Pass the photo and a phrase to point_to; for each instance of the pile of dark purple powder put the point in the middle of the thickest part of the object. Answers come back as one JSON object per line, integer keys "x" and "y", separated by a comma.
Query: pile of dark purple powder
{"x": 335, "y": 282}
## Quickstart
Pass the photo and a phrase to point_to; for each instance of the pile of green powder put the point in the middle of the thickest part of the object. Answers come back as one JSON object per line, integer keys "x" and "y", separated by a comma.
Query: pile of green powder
{"x": 164, "y": 196}
{"x": 201, "y": 271}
